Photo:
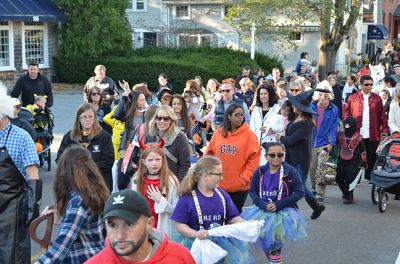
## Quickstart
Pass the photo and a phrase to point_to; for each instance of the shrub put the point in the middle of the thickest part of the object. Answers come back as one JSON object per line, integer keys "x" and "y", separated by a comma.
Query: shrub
{"x": 179, "y": 64}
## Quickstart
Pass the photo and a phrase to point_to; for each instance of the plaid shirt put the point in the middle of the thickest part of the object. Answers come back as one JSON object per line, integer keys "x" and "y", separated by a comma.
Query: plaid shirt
{"x": 80, "y": 236}
{"x": 20, "y": 146}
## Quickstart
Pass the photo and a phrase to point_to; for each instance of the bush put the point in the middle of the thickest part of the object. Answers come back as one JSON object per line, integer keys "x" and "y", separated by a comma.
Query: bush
{"x": 179, "y": 64}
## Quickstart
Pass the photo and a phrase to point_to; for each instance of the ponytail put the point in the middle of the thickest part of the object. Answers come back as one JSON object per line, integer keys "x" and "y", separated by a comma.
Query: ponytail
{"x": 203, "y": 165}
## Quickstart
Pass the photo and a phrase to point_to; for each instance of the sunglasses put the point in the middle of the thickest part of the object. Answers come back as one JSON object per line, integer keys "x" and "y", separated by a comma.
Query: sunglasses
{"x": 276, "y": 155}
{"x": 294, "y": 90}
{"x": 164, "y": 118}
{"x": 95, "y": 94}
{"x": 225, "y": 91}
{"x": 367, "y": 84}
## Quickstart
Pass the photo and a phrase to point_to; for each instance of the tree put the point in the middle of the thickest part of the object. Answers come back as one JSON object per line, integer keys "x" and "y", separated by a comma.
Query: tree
{"x": 282, "y": 18}
{"x": 94, "y": 28}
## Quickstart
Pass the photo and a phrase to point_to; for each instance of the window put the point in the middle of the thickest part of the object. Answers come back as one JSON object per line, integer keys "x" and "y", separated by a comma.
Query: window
{"x": 137, "y": 5}
{"x": 186, "y": 40}
{"x": 181, "y": 12}
{"x": 35, "y": 44}
{"x": 296, "y": 36}
{"x": 6, "y": 46}
{"x": 149, "y": 39}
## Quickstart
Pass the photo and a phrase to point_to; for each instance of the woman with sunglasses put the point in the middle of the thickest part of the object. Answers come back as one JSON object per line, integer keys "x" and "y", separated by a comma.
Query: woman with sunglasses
{"x": 296, "y": 87}
{"x": 275, "y": 188}
{"x": 88, "y": 133}
{"x": 239, "y": 150}
{"x": 176, "y": 145}
{"x": 102, "y": 109}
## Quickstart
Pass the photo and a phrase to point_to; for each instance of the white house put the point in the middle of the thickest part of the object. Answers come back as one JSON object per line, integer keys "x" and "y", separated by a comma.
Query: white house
{"x": 201, "y": 22}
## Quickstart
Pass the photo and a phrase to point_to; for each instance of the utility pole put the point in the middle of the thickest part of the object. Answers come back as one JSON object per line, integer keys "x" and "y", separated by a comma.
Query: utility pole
{"x": 253, "y": 41}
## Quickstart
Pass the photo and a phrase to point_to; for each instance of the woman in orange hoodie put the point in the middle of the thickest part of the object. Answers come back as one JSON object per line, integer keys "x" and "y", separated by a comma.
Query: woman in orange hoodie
{"x": 239, "y": 150}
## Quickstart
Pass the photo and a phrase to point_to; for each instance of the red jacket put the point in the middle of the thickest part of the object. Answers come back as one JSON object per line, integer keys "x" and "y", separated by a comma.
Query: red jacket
{"x": 377, "y": 118}
{"x": 168, "y": 252}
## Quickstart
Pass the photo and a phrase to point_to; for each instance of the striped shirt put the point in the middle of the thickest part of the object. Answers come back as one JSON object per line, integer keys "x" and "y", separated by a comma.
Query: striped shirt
{"x": 20, "y": 146}
{"x": 80, "y": 236}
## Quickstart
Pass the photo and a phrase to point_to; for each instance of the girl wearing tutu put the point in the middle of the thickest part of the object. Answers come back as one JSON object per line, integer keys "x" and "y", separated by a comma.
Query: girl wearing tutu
{"x": 275, "y": 188}
{"x": 202, "y": 205}
{"x": 158, "y": 185}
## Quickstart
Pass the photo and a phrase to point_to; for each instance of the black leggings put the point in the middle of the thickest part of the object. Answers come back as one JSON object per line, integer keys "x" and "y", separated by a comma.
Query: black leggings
{"x": 239, "y": 198}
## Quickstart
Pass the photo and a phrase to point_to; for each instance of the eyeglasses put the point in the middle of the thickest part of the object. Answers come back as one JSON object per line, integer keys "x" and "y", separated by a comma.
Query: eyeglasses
{"x": 95, "y": 94}
{"x": 225, "y": 91}
{"x": 164, "y": 118}
{"x": 87, "y": 117}
{"x": 238, "y": 115}
{"x": 294, "y": 90}
{"x": 367, "y": 84}
{"x": 216, "y": 174}
{"x": 276, "y": 155}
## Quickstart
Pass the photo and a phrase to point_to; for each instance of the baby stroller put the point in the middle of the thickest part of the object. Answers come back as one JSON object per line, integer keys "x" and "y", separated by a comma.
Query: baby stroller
{"x": 44, "y": 137}
{"x": 385, "y": 175}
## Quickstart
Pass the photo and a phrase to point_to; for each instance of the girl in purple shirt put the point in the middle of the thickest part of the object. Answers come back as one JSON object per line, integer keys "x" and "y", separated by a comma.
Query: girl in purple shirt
{"x": 203, "y": 205}
{"x": 275, "y": 188}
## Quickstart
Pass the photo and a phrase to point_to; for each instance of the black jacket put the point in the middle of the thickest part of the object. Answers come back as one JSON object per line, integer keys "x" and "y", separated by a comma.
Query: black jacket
{"x": 102, "y": 151}
{"x": 297, "y": 141}
{"x": 28, "y": 87}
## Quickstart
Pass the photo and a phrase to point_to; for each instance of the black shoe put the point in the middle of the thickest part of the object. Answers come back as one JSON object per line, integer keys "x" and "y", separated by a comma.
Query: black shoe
{"x": 397, "y": 197}
{"x": 317, "y": 212}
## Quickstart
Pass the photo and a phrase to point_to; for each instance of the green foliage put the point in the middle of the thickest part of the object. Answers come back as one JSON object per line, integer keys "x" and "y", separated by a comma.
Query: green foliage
{"x": 179, "y": 64}
{"x": 94, "y": 28}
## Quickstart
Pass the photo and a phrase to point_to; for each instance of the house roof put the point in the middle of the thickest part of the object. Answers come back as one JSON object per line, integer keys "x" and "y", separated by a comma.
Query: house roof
{"x": 30, "y": 11}
{"x": 397, "y": 12}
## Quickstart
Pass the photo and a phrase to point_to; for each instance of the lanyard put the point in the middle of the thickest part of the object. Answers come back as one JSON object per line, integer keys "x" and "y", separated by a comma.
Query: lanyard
{"x": 280, "y": 183}
{"x": 198, "y": 209}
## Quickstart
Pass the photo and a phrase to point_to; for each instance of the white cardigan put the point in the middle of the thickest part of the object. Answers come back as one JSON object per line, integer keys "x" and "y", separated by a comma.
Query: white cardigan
{"x": 272, "y": 120}
{"x": 394, "y": 117}
{"x": 165, "y": 208}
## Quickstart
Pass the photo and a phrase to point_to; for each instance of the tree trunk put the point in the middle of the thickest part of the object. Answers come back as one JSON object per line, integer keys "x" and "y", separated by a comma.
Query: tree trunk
{"x": 327, "y": 58}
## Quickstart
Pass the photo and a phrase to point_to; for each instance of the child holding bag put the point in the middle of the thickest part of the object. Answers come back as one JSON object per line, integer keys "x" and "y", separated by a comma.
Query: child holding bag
{"x": 275, "y": 188}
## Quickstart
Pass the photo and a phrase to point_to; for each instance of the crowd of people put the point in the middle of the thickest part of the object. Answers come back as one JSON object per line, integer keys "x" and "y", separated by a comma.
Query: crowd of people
{"x": 141, "y": 168}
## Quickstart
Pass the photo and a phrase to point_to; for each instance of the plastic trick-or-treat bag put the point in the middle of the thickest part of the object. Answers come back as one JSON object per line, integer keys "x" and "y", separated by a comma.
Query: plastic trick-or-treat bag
{"x": 206, "y": 251}
{"x": 326, "y": 169}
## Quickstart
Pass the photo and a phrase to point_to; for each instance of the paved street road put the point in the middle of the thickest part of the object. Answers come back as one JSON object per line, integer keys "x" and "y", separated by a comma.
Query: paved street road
{"x": 344, "y": 234}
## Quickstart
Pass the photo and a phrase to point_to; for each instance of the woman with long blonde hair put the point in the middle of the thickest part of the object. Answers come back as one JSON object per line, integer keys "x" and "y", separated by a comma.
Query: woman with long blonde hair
{"x": 176, "y": 145}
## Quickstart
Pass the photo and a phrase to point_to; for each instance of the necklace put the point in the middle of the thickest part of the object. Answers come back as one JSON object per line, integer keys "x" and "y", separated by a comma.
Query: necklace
{"x": 149, "y": 255}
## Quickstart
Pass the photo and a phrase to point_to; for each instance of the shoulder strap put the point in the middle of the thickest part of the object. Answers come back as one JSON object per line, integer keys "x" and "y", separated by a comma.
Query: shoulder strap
{"x": 223, "y": 203}
{"x": 198, "y": 209}
{"x": 169, "y": 155}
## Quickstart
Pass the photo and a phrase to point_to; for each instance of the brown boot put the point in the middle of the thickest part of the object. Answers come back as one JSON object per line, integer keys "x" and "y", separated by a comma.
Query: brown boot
{"x": 349, "y": 199}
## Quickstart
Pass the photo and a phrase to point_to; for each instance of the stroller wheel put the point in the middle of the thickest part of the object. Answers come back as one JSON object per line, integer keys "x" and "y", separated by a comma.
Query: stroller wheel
{"x": 374, "y": 194}
{"x": 383, "y": 201}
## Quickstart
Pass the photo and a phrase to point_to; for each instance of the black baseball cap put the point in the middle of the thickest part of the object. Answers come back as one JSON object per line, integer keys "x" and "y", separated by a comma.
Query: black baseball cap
{"x": 126, "y": 204}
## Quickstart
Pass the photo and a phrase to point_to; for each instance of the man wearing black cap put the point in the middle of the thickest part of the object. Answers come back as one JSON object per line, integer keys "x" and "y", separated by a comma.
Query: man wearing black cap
{"x": 131, "y": 237}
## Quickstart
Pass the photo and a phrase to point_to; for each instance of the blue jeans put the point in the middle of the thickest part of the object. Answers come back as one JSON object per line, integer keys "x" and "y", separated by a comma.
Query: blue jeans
{"x": 307, "y": 192}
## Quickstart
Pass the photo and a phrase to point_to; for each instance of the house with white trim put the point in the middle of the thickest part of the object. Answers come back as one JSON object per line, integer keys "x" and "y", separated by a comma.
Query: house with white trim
{"x": 27, "y": 33}
{"x": 180, "y": 23}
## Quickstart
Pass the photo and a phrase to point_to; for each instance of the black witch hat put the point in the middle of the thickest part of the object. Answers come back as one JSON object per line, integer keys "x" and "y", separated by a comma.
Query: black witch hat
{"x": 302, "y": 101}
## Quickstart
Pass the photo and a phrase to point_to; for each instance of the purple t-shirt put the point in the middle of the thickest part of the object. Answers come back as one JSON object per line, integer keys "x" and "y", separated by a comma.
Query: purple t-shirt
{"x": 270, "y": 186}
{"x": 211, "y": 209}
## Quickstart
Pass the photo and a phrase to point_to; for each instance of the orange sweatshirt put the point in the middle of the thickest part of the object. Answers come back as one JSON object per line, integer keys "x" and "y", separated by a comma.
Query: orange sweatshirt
{"x": 240, "y": 155}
